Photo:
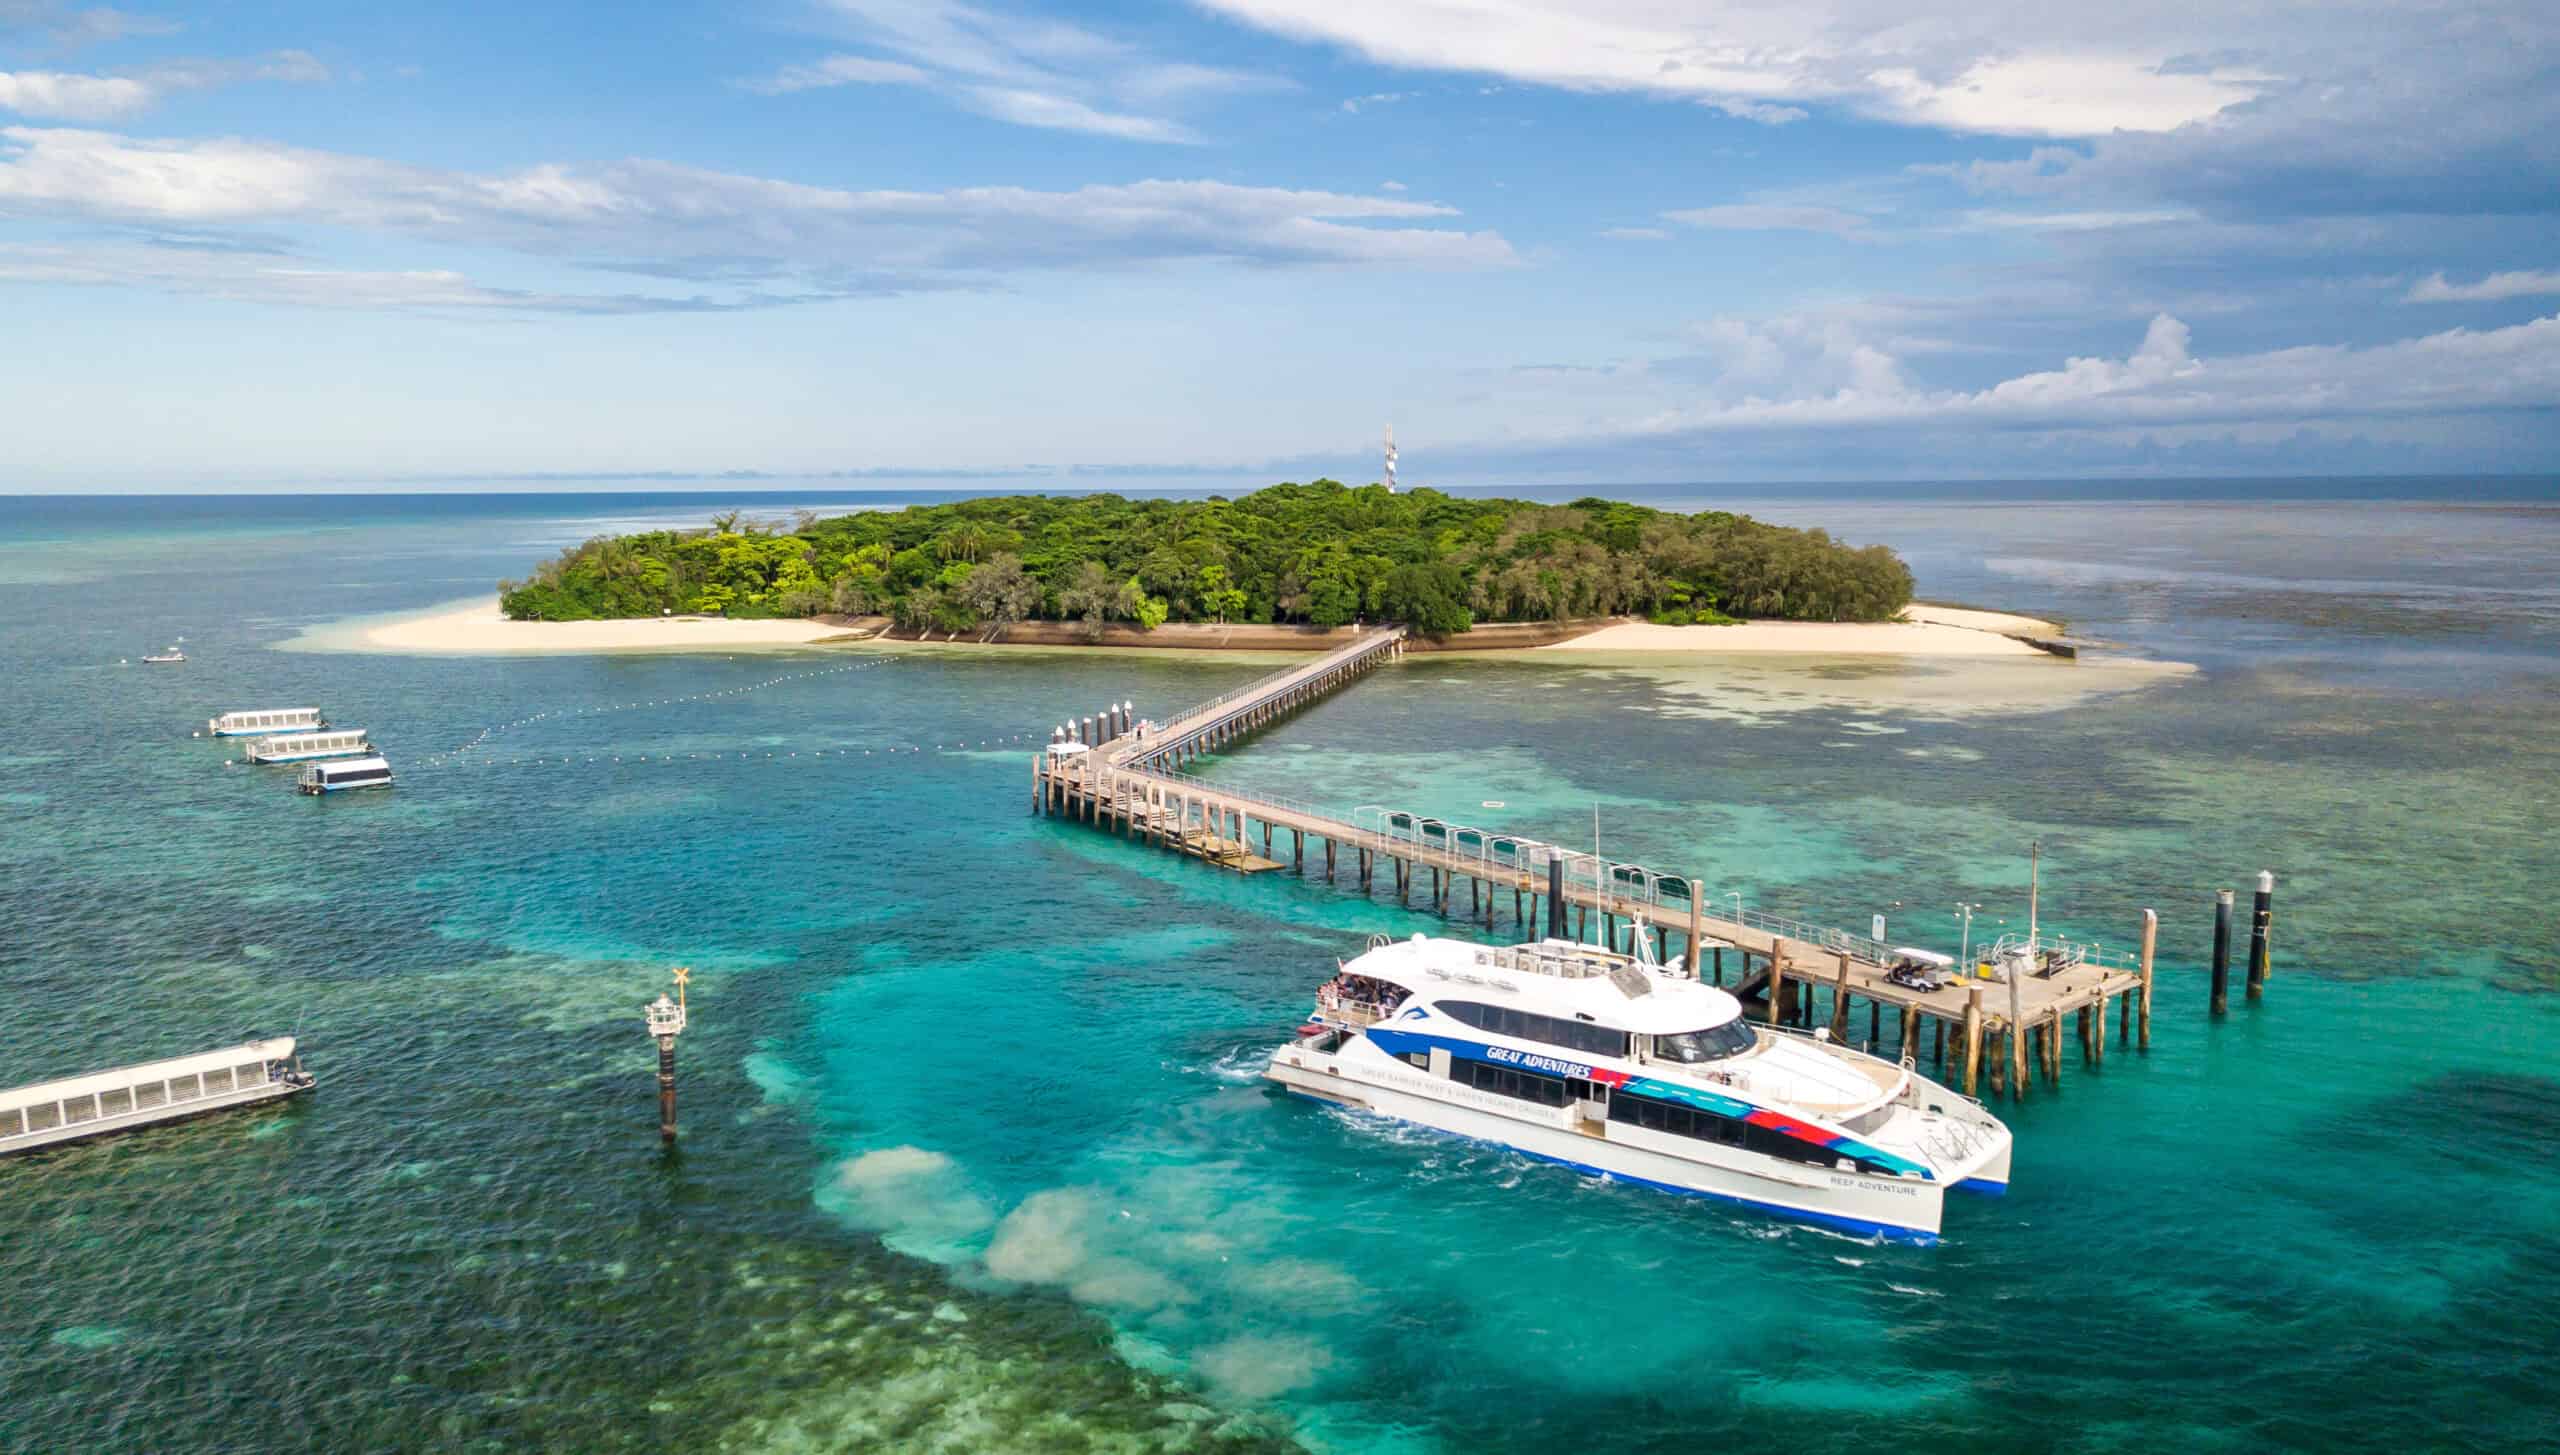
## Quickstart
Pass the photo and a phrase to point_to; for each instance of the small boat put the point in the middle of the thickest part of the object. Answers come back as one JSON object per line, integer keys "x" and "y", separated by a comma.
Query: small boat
{"x": 341, "y": 774}
{"x": 259, "y": 720}
{"x": 1634, "y": 1071}
{"x": 300, "y": 747}
{"x": 164, "y": 657}
{"x": 80, "y": 1107}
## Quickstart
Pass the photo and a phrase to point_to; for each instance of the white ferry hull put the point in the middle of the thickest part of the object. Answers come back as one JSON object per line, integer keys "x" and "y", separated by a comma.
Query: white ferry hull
{"x": 156, "y": 1116}
{"x": 361, "y": 752}
{"x": 1906, "y": 1208}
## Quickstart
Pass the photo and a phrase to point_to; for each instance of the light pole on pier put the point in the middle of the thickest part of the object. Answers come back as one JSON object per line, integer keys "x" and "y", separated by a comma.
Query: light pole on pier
{"x": 666, "y": 1022}
{"x": 1964, "y": 956}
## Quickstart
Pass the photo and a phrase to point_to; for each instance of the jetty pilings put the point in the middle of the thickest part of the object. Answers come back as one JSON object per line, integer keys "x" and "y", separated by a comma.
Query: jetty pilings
{"x": 1132, "y": 778}
{"x": 2262, "y": 917}
{"x": 2221, "y": 952}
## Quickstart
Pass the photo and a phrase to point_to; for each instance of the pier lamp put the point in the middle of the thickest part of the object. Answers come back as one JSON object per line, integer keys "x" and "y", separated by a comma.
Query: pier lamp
{"x": 665, "y": 1019}
{"x": 1964, "y": 956}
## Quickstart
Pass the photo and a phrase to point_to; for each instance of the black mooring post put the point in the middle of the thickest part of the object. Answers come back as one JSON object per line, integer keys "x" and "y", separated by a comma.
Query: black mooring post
{"x": 2261, "y": 921}
{"x": 1555, "y": 899}
{"x": 2222, "y": 952}
{"x": 666, "y": 1088}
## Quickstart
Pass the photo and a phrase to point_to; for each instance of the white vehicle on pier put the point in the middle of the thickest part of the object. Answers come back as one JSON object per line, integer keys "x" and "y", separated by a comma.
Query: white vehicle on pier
{"x": 266, "y": 720}
{"x": 1573, "y": 1054}
{"x": 301, "y": 747}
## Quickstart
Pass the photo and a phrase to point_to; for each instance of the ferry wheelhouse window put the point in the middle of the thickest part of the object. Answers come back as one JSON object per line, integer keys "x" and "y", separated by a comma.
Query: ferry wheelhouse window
{"x": 1521, "y": 1025}
{"x": 1712, "y": 1044}
{"x": 1504, "y": 1081}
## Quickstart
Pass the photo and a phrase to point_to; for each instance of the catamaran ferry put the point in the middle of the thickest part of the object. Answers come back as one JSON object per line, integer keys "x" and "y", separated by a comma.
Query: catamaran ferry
{"x": 266, "y": 720}
{"x": 301, "y": 747}
{"x": 1617, "y": 1066}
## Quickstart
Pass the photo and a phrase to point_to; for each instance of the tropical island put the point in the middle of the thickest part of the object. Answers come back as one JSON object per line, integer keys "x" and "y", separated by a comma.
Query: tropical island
{"x": 1320, "y": 555}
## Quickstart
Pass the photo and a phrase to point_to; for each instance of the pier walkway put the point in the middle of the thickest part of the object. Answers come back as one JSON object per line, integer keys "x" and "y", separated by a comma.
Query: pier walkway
{"x": 1127, "y": 779}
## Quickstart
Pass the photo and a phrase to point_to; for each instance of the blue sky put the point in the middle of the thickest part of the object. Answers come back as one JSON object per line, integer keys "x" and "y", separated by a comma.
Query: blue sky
{"x": 281, "y": 244}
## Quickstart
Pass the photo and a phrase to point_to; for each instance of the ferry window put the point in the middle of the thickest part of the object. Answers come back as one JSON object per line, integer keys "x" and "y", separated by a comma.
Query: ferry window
{"x": 44, "y": 1115}
{"x": 218, "y": 1079}
{"x": 1678, "y": 1120}
{"x": 80, "y": 1109}
{"x": 1503, "y": 1081}
{"x": 1520, "y": 1025}
{"x": 1712, "y": 1044}
{"x": 114, "y": 1103}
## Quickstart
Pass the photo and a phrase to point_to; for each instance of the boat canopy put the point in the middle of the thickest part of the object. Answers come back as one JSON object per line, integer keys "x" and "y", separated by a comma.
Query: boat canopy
{"x": 45, "y": 1093}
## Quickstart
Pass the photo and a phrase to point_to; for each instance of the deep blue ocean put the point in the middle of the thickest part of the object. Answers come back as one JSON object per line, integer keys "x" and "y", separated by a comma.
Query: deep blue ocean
{"x": 975, "y": 1157}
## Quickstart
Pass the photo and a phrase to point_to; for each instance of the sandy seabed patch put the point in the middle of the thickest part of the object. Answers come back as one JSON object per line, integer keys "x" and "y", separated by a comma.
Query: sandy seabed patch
{"x": 1923, "y": 631}
{"x": 479, "y": 626}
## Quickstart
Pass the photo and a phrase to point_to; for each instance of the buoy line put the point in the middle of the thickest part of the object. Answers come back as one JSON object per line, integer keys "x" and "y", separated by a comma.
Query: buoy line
{"x": 779, "y": 755}
{"x": 482, "y": 737}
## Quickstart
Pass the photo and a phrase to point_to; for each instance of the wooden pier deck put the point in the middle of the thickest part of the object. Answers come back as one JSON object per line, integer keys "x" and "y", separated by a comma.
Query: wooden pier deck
{"x": 2003, "y": 1033}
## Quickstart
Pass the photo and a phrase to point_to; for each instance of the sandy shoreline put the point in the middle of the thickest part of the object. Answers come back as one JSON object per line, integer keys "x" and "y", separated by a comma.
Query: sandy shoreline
{"x": 1924, "y": 631}
{"x": 479, "y": 627}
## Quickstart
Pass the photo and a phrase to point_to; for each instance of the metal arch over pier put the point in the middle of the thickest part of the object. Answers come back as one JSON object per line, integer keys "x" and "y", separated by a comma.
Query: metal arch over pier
{"x": 1111, "y": 772}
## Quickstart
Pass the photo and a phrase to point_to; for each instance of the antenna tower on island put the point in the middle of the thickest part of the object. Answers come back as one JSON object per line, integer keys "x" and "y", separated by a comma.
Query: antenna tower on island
{"x": 1391, "y": 459}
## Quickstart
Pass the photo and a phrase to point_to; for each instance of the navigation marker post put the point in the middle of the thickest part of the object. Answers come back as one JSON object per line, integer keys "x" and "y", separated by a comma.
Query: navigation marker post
{"x": 666, "y": 1022}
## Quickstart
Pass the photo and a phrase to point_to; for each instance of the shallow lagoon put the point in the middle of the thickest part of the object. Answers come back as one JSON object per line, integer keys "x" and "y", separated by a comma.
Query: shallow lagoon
{"x": 974, "y": 1156}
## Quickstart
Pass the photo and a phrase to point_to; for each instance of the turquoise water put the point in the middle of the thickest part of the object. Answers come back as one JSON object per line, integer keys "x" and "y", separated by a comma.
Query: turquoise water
{"x": 974, "y": 1154}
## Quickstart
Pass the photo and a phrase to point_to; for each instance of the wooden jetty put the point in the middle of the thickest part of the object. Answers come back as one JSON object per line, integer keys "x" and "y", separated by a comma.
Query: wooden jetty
{"x": 1125, "y": 777}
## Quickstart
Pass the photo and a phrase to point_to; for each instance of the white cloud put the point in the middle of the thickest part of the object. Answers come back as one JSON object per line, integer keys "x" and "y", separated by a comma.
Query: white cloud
{"x": 66, "y": 26}
{"x": 1352, "y": 104}
{"x": 1772, "y": 217}
{"x": 2003, "y": 67}
{"x": 2071, "y": 221}
{"x": 2496, "y": 287}
{"x": 57, "y": 96}
{"x": 1029, "y": 71}
{"x": 60, "y": 97}
{"x": 1635, "y": 234}
{"x": 256, "y": 278}
{"x": 841, "y": 71}
{"x": 662, "y": 220}
{"x": 1065, "y": 113}
{"x": 1781, "y": 376}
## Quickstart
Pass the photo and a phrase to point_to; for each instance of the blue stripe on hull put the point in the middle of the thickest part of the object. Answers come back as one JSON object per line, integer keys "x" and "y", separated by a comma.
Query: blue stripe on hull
{"x": 1983, "y": 1187}
{"x": 1849, "y": 1225}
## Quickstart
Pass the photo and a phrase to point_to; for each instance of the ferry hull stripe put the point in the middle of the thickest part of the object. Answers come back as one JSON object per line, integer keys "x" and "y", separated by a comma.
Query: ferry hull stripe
{"x": 1894, "y": 1231}
{"x": 1400, "y": 1043}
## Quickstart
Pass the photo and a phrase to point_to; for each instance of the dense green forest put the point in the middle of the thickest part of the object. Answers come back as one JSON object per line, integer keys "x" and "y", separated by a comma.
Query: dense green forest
{"x": 1321, "y": 553}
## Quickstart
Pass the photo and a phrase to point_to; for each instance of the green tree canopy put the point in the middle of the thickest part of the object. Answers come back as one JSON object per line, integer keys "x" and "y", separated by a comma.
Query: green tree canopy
{"x": 1321, "y": 553}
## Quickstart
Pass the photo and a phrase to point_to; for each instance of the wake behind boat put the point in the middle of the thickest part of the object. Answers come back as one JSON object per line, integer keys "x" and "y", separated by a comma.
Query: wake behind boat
{"x": 1574, "y": 1054}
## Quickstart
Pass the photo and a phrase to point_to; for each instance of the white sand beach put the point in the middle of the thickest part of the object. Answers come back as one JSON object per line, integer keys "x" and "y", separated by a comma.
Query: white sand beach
{"x": 480, "y": 627}
{"x": 1924, "y": 631}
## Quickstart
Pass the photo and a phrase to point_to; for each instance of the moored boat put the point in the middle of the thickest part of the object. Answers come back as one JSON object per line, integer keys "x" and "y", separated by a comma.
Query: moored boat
{"x": 337, "y": 775}
{"x": 260, "y": 720}
{"x": 79, "y": 1107}
{"x": 167, "y": 656}
{"x": 1615, "y": 1066}
{"x": 300, "y": 747}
